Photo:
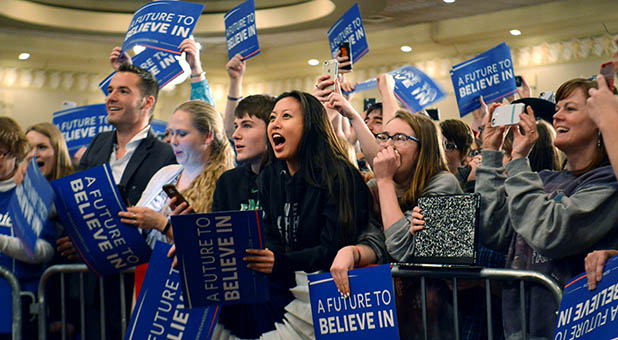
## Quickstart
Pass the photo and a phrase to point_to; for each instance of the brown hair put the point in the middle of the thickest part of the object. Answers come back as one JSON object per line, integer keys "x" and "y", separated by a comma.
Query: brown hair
{"x": 458, "y": 132}
{"x": 63, "y": 166}
{"x": 12, "y": 137}
{"x": 430, "y": 160}
{"x": 206, "y": 119}
{"x": 566, "y": 89}
{"x": 258, "y": 105}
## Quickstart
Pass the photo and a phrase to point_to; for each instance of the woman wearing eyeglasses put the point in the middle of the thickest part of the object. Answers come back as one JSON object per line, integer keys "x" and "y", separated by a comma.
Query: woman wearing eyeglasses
{"x": 410, "y": 164}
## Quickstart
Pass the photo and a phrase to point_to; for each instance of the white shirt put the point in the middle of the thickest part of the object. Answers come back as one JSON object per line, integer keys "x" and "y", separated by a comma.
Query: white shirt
{"x": 118, "y": 165}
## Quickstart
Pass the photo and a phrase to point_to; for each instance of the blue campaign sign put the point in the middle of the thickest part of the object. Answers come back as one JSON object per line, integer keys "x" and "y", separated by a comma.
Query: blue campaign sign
{"x": 349, "y": 28}
{"x": 80, "y": 124}
{"x": 163, "y": 65}
{"x": 162, "y": 25}
{"x": 158, "y": 126}
{"x": 490, "y": 74}
{"x": 369, "y": 312}
{"x": 412, "y": 87}
{"x": 160, "y": 311}
{"x": 241, "y": 31}
{"x": 210, "y": 249}
{"x": 88, "y": 204}
{"x": 29, "y": 207}
{"x": 415, "y": 89}
{"x": 590, "y": 314}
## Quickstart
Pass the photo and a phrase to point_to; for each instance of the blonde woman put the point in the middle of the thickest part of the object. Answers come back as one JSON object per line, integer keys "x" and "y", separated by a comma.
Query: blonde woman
{"x": 50, "y": 149}
{"x": 203, "y": 153}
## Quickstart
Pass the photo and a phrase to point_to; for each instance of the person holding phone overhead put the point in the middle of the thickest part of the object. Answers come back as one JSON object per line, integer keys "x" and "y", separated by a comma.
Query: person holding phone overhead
{"x": 314, "y": 201}
{"x": 548, "y": 220}
{"x": 203, "y": 154}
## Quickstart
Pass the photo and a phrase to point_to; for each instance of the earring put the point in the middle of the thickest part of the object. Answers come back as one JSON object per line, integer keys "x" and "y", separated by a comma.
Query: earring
{"x": 599, "y": 139}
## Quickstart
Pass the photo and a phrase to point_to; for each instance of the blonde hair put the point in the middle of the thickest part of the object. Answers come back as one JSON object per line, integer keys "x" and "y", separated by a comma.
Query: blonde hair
{"x": 431, "y": 159}
{"x": 206, "y": 120}
{"x": 63, "y": 166}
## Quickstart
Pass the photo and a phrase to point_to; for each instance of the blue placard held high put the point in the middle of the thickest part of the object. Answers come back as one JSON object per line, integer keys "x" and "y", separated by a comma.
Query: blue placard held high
{"x": 88, "y": 203}
{"x": 241, "y": 31}
{"x": 369, "y": 312}
{"x": 412, "y": 87}
{"x": 490, "y": 74}
{"x": 349, "y": 28}
{"x": 415, "y": 89}
{"x": 590, "y": 314}
{"x": 160, "y": 311}
{"x": 80, "y": 124}
{"x": 210, "y": 249}
{"x": 29, "y": 207}
{"x": 163, "y": 65}
{"x": 162, "y": 25}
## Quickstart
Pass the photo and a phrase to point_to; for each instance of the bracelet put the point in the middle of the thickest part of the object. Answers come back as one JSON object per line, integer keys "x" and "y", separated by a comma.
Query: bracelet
{"x": 233, "y": 98}
{"x": 356, "y": 263}
{"x": 198, "y": 75}
{"x": 167, "y": 228}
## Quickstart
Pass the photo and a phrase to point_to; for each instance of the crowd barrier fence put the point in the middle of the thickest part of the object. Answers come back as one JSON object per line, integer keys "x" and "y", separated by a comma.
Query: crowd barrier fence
{"x": 16, "y": 301}
{"x": 81, "y": 269}
{"x": 484, "y": 274}
{"x": 454, "y": 274}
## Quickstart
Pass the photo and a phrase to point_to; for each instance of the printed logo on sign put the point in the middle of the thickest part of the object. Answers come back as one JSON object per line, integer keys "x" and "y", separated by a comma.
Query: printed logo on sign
{"x": 369, "y": 311}
{"x": 489, "y": 74}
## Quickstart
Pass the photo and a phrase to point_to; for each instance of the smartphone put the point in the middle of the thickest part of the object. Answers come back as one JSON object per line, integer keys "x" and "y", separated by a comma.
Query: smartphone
{"x": 345, "y": 51}
{"x": 331, "y": 67}
{"x": 171, "y": 191}
{"x": 607, "y": 71}
{"x": 518, "y": 81}
{"x": 507, "y": 114}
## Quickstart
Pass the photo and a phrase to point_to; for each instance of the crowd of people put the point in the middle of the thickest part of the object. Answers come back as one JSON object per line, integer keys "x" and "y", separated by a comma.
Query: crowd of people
{"x": 339, "y": 189}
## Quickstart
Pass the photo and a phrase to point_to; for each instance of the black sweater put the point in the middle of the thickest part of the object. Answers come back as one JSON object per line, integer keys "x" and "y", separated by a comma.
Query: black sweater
{"x": 237, "y": 189}
{"x": 301, "y": 220}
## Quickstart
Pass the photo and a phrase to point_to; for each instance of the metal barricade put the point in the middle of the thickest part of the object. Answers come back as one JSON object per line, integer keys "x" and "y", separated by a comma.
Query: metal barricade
{"x": 80, "y": 269}
{"x": 16, "y": 297}
{"x": 486, "y": 274}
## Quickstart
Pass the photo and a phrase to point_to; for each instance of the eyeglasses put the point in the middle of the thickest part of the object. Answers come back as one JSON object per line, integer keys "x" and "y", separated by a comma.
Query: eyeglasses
{"x": 398, "y": 138}
{"x": 450, "y": 146}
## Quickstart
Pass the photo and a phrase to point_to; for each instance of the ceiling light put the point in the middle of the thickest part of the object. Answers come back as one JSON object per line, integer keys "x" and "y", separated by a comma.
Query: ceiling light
{"x": 406, "y": 48}
{"x": 515, "y": 32}
{"x": 313, "y": 62}
{"x": 24, "y": 56}
{"x": 449, "y": 1}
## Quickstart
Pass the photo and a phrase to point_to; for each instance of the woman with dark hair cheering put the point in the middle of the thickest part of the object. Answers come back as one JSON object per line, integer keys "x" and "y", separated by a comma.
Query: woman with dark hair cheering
{"x": 315, "y": 202}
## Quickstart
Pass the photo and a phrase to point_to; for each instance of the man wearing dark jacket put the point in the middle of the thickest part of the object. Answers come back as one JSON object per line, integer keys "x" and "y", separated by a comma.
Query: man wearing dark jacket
{"x": 134, "y": 155}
